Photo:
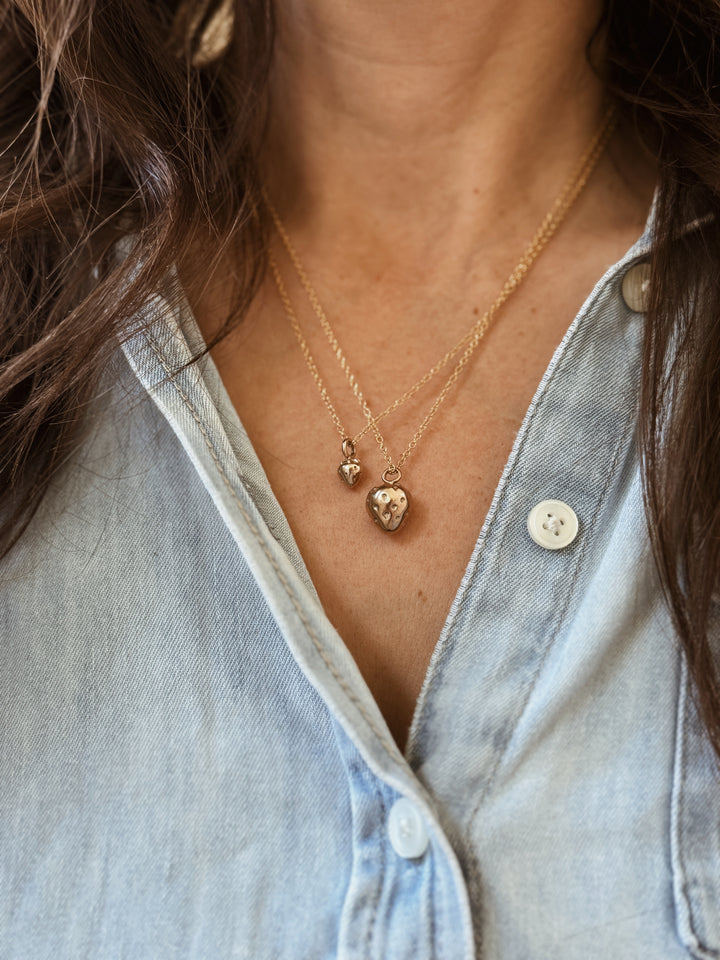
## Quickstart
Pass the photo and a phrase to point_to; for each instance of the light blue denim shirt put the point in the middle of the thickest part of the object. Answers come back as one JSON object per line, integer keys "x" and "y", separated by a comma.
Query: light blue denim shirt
{"x": 193, "y": 767}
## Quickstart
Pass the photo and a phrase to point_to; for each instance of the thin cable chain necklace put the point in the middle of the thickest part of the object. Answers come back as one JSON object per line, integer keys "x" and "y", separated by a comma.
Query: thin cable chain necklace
{"x": 388, "y": 504}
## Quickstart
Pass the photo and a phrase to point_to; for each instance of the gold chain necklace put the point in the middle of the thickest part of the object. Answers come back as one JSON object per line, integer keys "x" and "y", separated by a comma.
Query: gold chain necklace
{"x": 388, "y": 504}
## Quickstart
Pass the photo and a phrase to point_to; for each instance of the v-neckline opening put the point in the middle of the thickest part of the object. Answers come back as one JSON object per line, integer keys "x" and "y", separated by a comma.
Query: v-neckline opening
{"x": 278, "y": 525}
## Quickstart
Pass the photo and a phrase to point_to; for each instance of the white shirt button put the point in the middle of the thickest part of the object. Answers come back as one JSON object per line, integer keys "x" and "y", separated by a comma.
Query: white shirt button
{"x": 552, "y": 524}
{"x": 636, "y": 287}
{"x": 406, "y": 830}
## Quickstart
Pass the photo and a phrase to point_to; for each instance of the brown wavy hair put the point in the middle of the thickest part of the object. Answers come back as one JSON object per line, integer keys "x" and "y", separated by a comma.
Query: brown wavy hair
{"x": 115, "y": 120}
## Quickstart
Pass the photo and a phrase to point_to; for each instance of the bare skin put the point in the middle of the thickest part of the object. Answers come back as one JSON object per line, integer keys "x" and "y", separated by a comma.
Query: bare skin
{"x": 413, "y": 150}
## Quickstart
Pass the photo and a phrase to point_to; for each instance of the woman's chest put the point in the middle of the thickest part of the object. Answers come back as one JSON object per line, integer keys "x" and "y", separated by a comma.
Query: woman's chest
{"x": 388, "y": 593}
{"x": 453, "y": 421}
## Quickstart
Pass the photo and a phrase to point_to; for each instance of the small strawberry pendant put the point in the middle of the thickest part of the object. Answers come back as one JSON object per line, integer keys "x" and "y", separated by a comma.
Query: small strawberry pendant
{"x": 349, "y": 469}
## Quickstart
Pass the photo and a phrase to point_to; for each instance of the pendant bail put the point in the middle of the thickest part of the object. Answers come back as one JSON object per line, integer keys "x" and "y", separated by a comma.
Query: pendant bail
{"x": 348, "y": 448}
{"x": 391, "y": 470}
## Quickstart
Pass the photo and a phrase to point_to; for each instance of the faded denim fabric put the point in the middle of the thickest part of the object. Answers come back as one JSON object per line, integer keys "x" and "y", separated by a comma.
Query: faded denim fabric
{"x": 191, "y": 765}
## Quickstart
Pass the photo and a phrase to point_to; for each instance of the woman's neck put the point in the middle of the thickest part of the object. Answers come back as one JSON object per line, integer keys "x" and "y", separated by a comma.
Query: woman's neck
{"x": 433, "y": 119}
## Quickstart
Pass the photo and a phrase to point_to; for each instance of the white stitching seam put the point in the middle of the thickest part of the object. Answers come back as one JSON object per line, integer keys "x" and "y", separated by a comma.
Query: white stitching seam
{"x": 256, "y": 533}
